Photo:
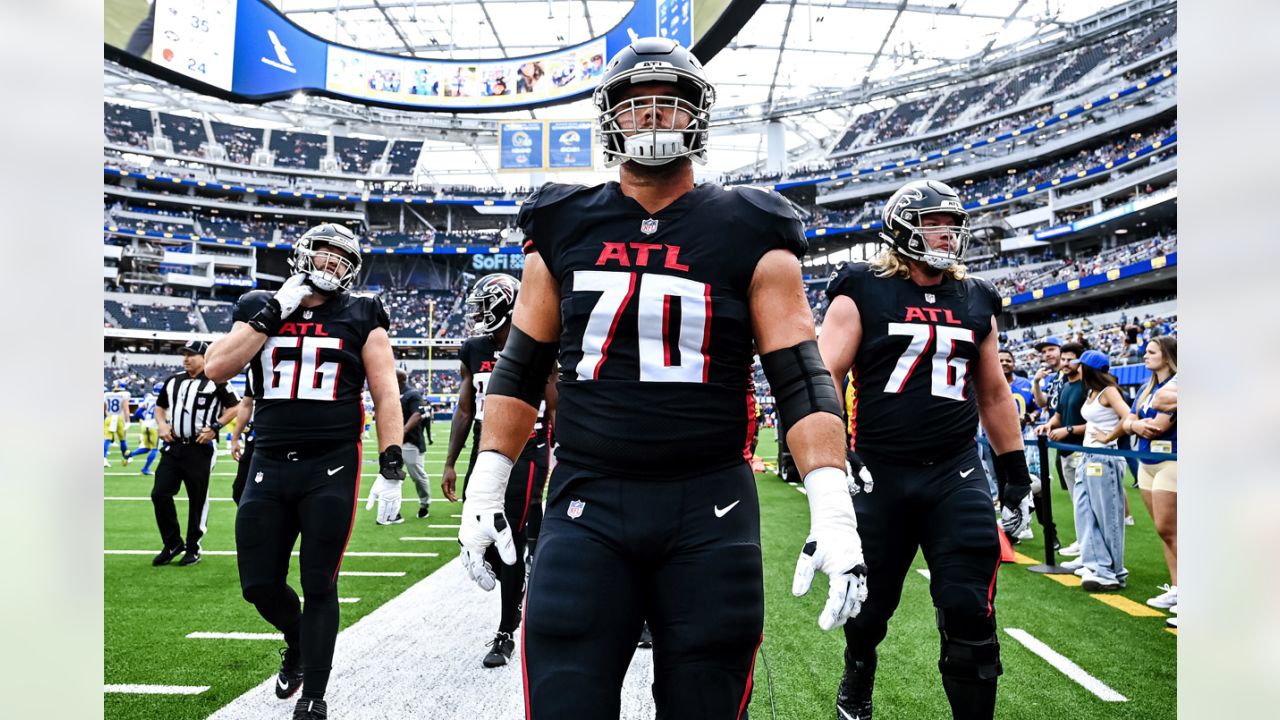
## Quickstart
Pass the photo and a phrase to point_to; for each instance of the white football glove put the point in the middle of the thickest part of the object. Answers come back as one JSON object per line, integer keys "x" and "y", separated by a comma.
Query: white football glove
{"x": 291, "y": 294}
{"x": 386, "y": 492}
{"x": 833, "y": 547}
{"x": 483, "y": 522}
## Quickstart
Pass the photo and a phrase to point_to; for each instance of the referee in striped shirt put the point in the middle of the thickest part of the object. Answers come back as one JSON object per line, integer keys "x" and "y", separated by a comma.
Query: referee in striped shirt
{"x": 190, "y": 411}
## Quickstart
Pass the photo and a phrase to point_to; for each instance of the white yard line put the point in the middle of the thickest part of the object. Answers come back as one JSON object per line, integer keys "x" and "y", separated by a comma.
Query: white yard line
{"x": 234, "y": 636}
{"x": 412, "y": 538}
{"x": 1065, "y": 666}
{"x": 438, "y": 627}
{"x": 361, "y": 573}
{"x": 155, "y": 689}
{"x": 925, "y": 573}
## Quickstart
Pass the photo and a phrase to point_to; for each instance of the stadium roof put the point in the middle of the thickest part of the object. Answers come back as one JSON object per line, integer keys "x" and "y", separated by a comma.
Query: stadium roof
{"x": 789, "y": 50}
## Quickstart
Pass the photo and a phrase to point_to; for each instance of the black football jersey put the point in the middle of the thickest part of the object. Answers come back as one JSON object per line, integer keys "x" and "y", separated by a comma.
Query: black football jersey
{"x": 914, "y": 398}
{"x": 656, "y": 340}
{"x": 479, "y": 354}
{"x": 309, "y": 376}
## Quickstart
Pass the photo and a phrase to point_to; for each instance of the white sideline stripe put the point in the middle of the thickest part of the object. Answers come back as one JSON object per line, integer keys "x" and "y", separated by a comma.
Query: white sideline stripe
{"x": 234, "y": 636}
{"x": 156, "y": 689}
{"x": 444, "y": 527}
{"x": 430, "y": 539}
{"x": 361, "y": 573}
{"x": 179, "y": 498}
{"x": 457, "y": 515}
{"x": 388, "y": 650}
{"x": 925, "y": 573}
{"x": 1065, "y": 666}
{"x": 349, "y": 553}
{"x": 302, "y": 599}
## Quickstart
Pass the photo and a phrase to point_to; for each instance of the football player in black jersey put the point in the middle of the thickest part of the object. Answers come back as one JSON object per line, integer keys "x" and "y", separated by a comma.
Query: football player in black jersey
{"x": 648, "y": 294}
{"x": 310, "y": 348}
{"x": 920, "y": 338}
{"x": 489, "y": 306}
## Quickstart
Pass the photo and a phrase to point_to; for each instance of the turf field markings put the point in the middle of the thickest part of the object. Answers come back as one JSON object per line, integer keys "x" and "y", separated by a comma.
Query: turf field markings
{"x": 362, "y": 573}
{"x": 344, "y": 601}
{"x": 444, "y": 527}
{"x": 234, "y": 636}
{"x": 1125, "y": 605}
{"x": 1068, "y": 580}
{"x": 1021, "y": 559}
{"x": 925, "y": 573}
{"x": 349, "y": 553}
{"x": 457, "y": 515}
{"x": 1172, "y": 631}
{"x": 155, "y": 689}
{"x": 1065, "y": 666}
{"x": 413, "y": 538}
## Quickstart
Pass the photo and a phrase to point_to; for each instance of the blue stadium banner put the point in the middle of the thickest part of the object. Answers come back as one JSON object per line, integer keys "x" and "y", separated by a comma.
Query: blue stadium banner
{"x": 675, "y": 20}
{"x": 569, "y": 145}
{"x": 520, "y": 145}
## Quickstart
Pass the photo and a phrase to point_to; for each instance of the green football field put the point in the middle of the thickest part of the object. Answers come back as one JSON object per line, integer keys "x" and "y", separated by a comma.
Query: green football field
{"x": 1110, "y": 645}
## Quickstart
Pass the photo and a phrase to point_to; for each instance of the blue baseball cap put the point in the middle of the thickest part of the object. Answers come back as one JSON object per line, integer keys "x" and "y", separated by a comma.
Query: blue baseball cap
{"x": 1053, "y": 340}
{"x": 1095, "y": 359}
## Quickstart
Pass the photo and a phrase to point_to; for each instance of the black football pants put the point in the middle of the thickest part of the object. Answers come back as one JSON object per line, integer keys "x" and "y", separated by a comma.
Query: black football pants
{"x": 182, "y": 464}
{"x": 287, "y": 496}
{"x": 614, "y": 552}
{"x": 522, "y": 504}
{"x": 945, "y": 510}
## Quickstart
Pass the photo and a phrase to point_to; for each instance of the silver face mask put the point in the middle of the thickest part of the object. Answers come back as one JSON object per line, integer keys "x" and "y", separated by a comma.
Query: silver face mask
{"x": 663, "y": 143}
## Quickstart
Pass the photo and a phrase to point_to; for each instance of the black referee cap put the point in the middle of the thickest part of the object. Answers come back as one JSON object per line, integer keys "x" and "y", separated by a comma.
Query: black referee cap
{"x": 195, "y": 347}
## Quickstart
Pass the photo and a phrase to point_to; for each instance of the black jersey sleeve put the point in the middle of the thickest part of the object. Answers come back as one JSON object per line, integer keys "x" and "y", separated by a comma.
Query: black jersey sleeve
{"x": 249, "y": 304}
{"x": 989, "y": 291}
{"x": 226, "y": 395}
{"x": 163, "y": 399}
{"x": 846, "y": 281}
{"x": 378, "y": 317}
{"x": 780, "y": 216}
{"x": 536, "y": 219}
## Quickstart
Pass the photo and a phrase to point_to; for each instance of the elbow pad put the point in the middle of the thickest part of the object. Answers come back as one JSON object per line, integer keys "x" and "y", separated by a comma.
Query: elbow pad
{"x": 800, "y": 382}
{"x": 523, "y": 368}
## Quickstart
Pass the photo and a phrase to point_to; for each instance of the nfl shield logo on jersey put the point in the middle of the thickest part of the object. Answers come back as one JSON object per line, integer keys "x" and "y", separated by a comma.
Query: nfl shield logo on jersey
{"x": 649, "y": 226}
{"x": 257, "y": 478}
{"x": 575, "y": 508}
{"x": 930, "y": 298}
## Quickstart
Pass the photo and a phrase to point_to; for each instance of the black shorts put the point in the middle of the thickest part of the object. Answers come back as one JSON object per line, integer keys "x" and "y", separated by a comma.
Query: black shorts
{"x": 613, "y": 553}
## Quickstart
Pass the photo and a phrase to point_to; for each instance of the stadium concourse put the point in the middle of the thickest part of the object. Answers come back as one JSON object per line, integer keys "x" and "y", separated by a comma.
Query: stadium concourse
{"x": 1055, "y": 122}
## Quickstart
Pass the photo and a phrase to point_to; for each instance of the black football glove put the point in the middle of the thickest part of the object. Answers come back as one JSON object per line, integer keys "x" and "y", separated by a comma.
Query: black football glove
{"x": 1015, "y": 500}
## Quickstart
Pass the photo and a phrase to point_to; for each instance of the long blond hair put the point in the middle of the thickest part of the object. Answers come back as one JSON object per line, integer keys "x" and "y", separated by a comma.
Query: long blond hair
{"x": 888, "y": 262}
{"x": 1169, "y": 349}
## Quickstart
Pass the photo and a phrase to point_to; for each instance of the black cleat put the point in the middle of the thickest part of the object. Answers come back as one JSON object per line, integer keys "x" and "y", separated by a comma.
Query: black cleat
{"x": 190, "y": 558}
{"x": 502, "y": 646}
{"x": 166, "y": 556}
{"x": 853, "y": 699}
{"x": 308, "y": 709}
{"x": 424, "y": 511}
{"x": 646, "y": 637}
{"x": 290, "y": 677}
{"x": 393, "y": 521}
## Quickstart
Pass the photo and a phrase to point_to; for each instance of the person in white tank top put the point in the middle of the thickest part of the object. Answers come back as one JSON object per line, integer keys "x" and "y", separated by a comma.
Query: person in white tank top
{"x": 1100, "y": 501}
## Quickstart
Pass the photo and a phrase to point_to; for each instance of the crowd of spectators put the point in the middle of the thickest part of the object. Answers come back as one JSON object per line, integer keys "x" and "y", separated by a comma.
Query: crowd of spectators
{"x": 356, "y": 155}
{"x": 181, "y": 316}
{"x": 421, "y": 313}
{"x": 1069, "y": 269}
{"x": 124, "y": 125}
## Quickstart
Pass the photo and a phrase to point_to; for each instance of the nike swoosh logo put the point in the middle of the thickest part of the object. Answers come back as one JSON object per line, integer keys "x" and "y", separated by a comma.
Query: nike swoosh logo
{"x": 283, "y": 685}
{"x": 334, "y": 470}
{"x": 721, "y": 512}
{"x": 963, "y": 473}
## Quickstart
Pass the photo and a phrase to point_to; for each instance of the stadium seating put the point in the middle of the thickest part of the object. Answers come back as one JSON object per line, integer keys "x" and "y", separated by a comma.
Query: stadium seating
{"x": 186, "y": 133}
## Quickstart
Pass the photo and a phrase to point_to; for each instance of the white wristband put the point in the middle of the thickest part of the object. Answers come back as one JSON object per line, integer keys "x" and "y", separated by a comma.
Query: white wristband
{"x": 828, "y": 491}
{"x": 488, "y": 483}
